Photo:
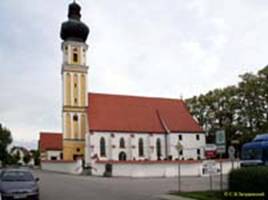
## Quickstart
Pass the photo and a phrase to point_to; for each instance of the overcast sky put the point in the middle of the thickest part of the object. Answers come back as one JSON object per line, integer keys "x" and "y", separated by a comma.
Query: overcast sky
{"x": 167, "y": 48}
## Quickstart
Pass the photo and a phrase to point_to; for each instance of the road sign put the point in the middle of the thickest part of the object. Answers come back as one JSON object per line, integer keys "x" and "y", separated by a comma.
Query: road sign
{"x": 220, "y": 137}
{"x": 210, "y": 167}
{"x": 235, "y": 142}
{"x": 221, "y": 149}
{"x": 220, "y": 141}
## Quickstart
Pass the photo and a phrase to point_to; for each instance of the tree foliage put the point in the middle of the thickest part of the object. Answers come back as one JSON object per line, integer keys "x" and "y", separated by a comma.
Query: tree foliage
{"x": 36, "y": 156}
{"x": 241, "y": 110}
{"x": 5, "y": 141}
{"x": 26, "y": 158}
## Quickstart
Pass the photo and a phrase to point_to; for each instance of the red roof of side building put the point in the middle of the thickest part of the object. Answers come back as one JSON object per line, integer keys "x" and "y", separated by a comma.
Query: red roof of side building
{"x": 50, "y": 141}
{"x": 119, "y": 113}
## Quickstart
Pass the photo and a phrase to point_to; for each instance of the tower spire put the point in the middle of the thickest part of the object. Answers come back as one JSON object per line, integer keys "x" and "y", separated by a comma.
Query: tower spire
{"x": 74, "y": 29}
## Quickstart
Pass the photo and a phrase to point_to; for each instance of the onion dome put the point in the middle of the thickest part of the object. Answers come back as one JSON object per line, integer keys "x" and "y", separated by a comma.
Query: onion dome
{"x": 74, "y": 29}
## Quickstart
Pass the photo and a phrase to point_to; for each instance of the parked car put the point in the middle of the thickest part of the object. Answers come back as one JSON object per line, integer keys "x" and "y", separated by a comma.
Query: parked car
{"x": 255, "y": 152}
{"x": 18, "y": 184}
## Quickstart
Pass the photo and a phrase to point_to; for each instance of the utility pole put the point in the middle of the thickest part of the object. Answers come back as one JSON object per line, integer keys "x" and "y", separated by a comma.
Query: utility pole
{"x": 179, "y": 148}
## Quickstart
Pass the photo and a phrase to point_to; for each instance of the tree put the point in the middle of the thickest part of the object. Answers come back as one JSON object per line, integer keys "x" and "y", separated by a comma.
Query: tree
{"x": 36, "y": 156}
{"x": 240, "y": 110}
{"x": 5, "y": 141}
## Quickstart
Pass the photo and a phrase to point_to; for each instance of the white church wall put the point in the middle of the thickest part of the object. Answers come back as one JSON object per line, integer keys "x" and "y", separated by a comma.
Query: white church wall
{"x": 153, "y": 144}
{"x": 190, "y": 145}
{"x": 112, "y": 142}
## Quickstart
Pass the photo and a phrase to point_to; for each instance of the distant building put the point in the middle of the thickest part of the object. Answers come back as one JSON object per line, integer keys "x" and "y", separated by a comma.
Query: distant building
{"x": 50, "y": 146}
{"x": 20, "y": 153}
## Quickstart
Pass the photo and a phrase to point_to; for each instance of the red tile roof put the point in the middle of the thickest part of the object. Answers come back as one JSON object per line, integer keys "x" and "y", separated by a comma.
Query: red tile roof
{"x": 121, "y": 113}
{"x": 50, "y": 141}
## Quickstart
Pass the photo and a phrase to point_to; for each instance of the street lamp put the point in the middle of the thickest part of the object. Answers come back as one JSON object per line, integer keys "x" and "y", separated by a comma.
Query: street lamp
{"x": 179, "y": 148}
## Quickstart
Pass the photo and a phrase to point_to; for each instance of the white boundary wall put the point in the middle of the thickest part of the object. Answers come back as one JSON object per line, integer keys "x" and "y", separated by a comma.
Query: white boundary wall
{"x": 157, "y": 169}
{"x": 69, "y": 167}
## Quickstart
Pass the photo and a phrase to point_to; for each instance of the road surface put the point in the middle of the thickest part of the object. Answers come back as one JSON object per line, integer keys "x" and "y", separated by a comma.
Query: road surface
{"x": 68, "y": 187}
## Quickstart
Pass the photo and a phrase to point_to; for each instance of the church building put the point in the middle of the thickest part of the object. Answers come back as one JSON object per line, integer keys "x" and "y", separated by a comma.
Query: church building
{"x": 113, "y": 127}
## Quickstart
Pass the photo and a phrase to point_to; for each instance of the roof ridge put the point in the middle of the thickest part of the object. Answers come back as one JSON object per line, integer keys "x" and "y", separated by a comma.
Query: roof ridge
{"x": 136, "y": 96}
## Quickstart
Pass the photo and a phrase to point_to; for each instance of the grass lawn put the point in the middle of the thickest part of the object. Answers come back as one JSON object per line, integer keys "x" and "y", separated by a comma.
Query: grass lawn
{"x": 204, "y": 195}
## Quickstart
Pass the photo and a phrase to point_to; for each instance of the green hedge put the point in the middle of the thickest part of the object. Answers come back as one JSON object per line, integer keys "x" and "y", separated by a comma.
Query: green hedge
{"x": 249, "y": 179}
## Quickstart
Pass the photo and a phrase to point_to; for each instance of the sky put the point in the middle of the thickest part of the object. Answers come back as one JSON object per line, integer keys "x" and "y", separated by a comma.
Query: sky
{"x": 162, "y": 48}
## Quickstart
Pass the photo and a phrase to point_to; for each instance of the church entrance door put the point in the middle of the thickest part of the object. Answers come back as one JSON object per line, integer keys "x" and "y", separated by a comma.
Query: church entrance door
{"x": 122, "y": 156}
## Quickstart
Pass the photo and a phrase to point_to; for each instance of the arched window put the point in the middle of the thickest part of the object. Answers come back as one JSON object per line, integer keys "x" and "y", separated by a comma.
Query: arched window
{"x": 141, "y": 148}
{"x": 75, "y": 55}
{"x": 122, "y": 156}
{"x": 158, "y": 149}
{"x": 102, "y": 147}
{"x": 122, "y": 143}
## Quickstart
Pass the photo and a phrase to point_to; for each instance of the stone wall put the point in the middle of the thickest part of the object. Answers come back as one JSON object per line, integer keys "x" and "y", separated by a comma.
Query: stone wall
{"x": 158, "y": 168}
{"x": 69, "y": 167}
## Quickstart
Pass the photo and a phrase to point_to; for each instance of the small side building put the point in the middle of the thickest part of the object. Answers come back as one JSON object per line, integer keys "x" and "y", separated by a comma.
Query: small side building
{"x": 50, "y": 146}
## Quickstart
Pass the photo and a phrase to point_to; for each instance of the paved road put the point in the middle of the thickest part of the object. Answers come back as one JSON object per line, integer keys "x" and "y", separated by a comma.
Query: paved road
{"x": 67, "y": 187}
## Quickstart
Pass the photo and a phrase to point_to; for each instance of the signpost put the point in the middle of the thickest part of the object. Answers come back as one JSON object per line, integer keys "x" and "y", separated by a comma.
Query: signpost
{"x": 179, "y": 148}
{"x": 220, "y": 142}
{"x": 231, "y": 153}
{"x": 210, "y": 168}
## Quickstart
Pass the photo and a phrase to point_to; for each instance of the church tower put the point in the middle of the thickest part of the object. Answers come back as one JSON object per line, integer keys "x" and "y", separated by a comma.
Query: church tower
{"x": 74, "y": 34}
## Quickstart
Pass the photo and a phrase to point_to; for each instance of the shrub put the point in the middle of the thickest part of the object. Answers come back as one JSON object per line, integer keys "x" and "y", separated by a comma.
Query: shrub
{"x": 249, "y": 179}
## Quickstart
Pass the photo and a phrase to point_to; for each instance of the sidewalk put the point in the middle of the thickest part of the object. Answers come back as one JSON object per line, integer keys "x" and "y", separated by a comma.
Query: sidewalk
{"x": 172, "y": 197}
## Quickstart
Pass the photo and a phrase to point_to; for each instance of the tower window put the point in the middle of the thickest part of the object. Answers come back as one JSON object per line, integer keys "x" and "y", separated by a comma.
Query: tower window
{"x": 75, "y": 85}
{"x": 75, "y": 118}
{"x": 75, "y": 57}
{"x": 75, "y": 100}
